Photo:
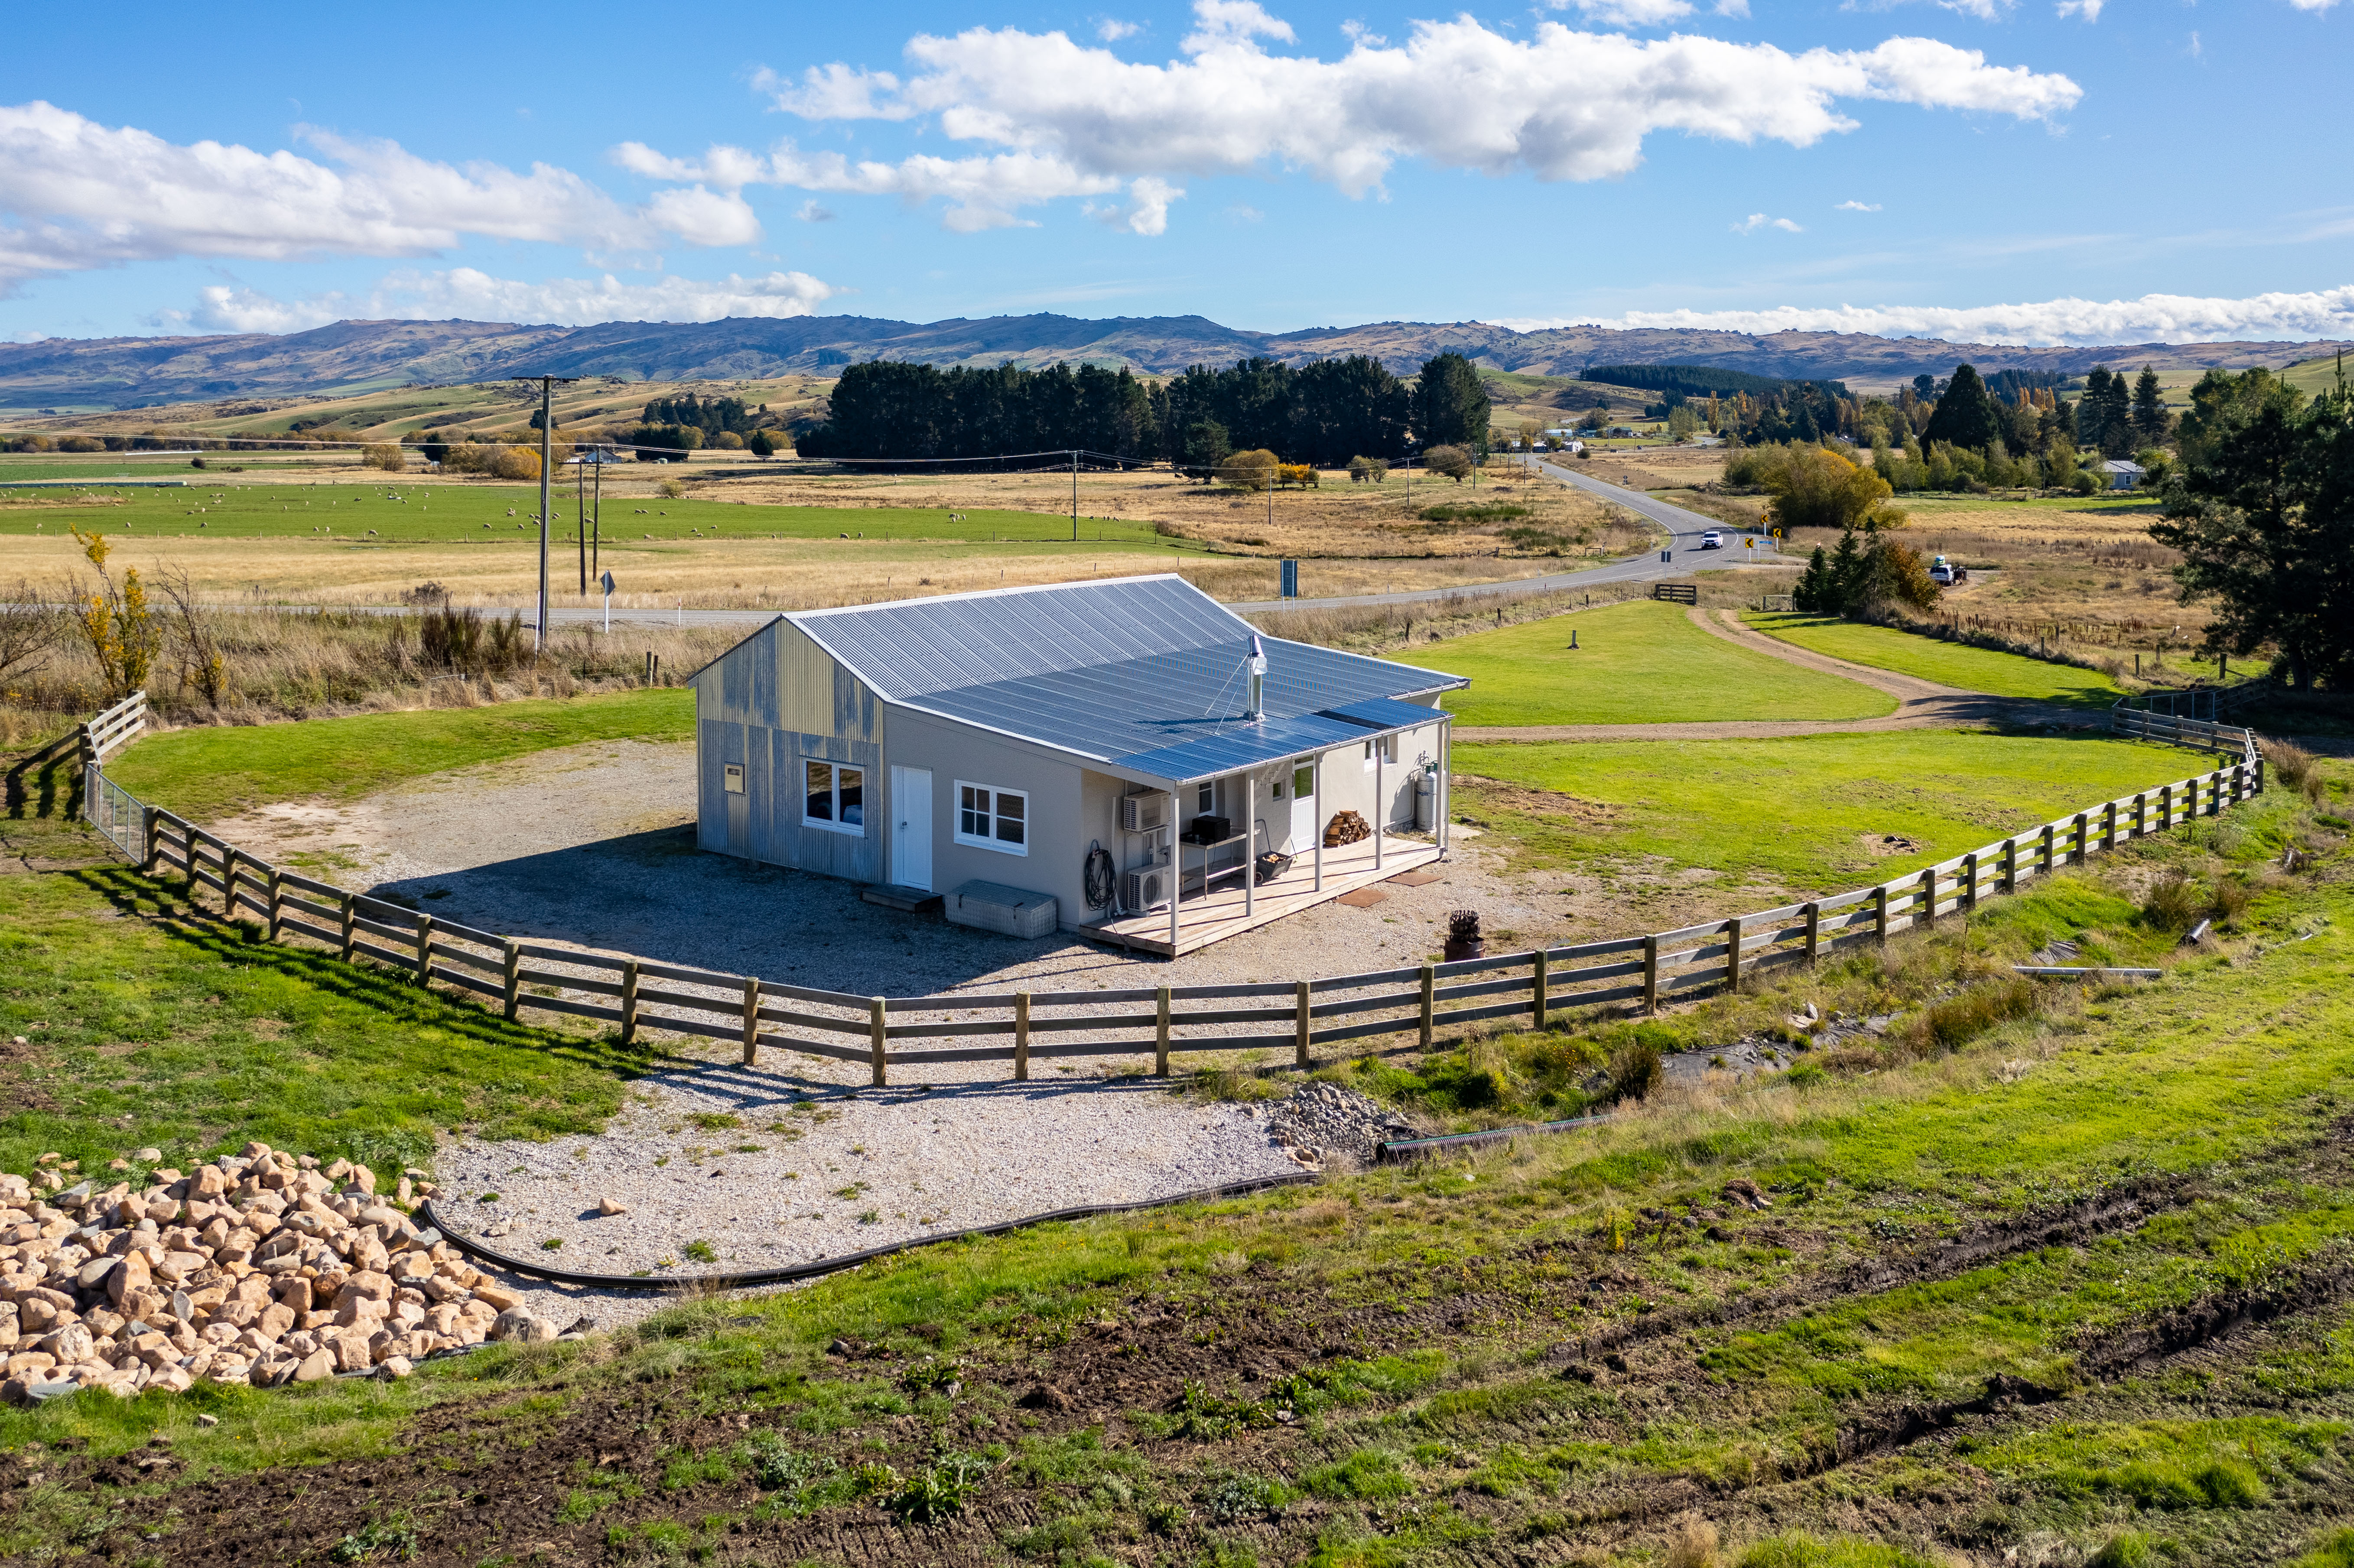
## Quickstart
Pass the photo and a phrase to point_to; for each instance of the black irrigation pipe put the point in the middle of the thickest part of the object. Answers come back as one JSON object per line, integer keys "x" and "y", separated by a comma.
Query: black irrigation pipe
{"x": 1397, "y": 1150}
{"x": 825, "y": 1265}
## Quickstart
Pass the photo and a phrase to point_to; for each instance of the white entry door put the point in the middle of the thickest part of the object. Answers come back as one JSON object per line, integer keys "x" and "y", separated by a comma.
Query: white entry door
{"x": 1303, "y": 810}
{"x": 911, "y": 827}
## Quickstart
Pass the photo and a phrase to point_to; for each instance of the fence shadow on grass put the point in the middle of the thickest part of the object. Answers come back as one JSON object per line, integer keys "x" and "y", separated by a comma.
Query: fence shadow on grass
{"x": 395, "y": 998}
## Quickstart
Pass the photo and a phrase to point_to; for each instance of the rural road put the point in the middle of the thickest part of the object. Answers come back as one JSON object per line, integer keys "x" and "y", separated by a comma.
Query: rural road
{"x": 1684, "y": 527}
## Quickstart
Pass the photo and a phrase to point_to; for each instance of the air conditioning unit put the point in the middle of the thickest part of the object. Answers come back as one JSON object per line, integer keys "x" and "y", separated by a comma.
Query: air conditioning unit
{"x": 1145, "y": 889}
{"x": 1143, "y": 814}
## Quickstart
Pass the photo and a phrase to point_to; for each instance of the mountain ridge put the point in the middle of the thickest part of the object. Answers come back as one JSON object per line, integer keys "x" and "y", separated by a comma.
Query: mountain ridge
{"x": 350, "y": 356}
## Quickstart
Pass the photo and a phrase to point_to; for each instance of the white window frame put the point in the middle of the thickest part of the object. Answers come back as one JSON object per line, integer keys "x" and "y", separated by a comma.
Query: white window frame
{"x": 1387, "y": 746}
{"x": 989, "y": 841}
{"x": 834, "y": 795}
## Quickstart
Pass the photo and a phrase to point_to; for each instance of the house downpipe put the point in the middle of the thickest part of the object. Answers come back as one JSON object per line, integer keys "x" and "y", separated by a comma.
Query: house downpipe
{"x": 1256, "y": 709}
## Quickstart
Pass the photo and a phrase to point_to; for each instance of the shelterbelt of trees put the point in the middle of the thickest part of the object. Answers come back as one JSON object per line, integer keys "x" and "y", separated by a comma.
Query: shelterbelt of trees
{"x": 1324, "y": 414}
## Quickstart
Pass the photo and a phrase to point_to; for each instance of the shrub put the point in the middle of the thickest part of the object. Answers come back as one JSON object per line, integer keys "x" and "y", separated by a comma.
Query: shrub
{"x": 1250, "y": 472}
{"x": 2174, "y": 902}
{"x": 1634, "y": 1071}
{"x": 515, "y": 462}
{"x": 1457, "y": 511}
{"x": 2295, "y": 767}
{"x": 1455, "y": 462}
{"x": 1365, "y": 469}
{"x": 1958, "y": 1019}
{"x": 671, "y": 490}
{"x": 386, "y": 455}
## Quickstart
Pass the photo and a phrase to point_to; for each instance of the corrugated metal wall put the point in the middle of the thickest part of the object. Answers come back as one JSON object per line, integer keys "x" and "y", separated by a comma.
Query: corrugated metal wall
{"x": 767, "y": 703}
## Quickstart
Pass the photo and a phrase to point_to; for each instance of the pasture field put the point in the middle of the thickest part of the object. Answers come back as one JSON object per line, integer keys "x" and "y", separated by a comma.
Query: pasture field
{"x": 211, "y": 771}
{"x": 1947, "y": 664}
{"x": 1813, "y": 813}
{"x": 2033, "y": 1269}
{"x": 1642, "y": 662}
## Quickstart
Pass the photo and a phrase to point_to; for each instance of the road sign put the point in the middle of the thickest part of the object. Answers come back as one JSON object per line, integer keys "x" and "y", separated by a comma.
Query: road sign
{"x": 606, "y": 582}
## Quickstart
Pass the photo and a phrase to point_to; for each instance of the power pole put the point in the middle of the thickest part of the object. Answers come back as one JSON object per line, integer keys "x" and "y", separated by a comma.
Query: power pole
{"x": 580, "y": 514}
{"x": 1075, "y": 495}
{"x": 547, "y": 456}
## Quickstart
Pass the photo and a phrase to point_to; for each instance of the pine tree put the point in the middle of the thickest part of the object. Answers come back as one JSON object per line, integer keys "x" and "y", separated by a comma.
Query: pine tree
{"x": 2149, "y": 416}
{"x": 1451, "y": 406}
{"x": 1966, "y": 416}
{"x": 1850, "y": 568}
{"x": 1814, "y": 586}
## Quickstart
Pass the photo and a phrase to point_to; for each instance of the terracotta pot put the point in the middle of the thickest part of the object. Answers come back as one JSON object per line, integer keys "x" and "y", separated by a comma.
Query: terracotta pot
{"x": 1459, "y": 951}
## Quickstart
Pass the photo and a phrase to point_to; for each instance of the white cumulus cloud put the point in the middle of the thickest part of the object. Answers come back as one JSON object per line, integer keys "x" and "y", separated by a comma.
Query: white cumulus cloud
{"x": 76, "y": 194}
{"x": 1633, "y": 12}
{"x": 1858, "y": 207}
{"x": 2088, "y": 9}
{"x": 1111, "y": 29}
{"x": 1757, "y": 221}
{"x": 465, "y": 293}
{"x": 2153, "y": 318}
{"x": 1075, "y": 119}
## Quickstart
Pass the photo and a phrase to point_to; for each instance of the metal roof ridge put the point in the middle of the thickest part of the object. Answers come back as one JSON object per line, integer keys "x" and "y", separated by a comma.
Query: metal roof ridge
{"x": 798, "y": 616}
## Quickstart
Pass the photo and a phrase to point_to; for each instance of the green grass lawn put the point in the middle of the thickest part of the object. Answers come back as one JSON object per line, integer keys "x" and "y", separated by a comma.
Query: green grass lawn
{"x": 1636, "y": 662}
{"x": 1800, "y": 810}
{"x": 151, "y": 1023}
{"x": 1947, "y": 664}
{"x": 422, "y": 510}
{"x": 211, "y": 771}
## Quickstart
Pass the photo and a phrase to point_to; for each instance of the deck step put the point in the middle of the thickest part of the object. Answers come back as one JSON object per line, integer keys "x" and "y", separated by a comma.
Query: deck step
{"x": 909, "y": 900}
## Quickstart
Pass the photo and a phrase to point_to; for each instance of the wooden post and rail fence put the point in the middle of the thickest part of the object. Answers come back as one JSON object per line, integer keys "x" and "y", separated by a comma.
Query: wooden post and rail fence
{"x": 637, "y": 994}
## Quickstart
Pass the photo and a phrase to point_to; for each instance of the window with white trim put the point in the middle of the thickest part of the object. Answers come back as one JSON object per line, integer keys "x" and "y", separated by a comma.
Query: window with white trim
{"x": 992, "y": 819}
{"x": 834, "y": 796}
{"x": 1388, "y": 744}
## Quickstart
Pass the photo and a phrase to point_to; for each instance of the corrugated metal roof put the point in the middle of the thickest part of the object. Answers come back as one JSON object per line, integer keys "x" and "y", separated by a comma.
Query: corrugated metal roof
{"x": 917, "y": 646}
{"x": 1144, "y": 674}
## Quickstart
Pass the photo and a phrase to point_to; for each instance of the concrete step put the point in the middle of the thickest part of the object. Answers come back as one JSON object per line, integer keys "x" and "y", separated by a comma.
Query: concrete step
{"x": 909, "y": 900}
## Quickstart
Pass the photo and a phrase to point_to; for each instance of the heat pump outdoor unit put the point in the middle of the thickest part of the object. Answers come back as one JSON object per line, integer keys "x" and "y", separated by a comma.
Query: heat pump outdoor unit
{"x": 1145, "y": 889}
{"x": 1142, "y": 813}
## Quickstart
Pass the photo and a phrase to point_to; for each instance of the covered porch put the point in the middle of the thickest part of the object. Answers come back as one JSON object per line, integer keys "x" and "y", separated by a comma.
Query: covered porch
{"x": 1228, "y": 909}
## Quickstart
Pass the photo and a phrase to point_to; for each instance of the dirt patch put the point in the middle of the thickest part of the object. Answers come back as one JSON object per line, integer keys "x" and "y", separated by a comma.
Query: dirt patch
{"x": 1884, "y": 845}
{"x": 1501, "y": 795}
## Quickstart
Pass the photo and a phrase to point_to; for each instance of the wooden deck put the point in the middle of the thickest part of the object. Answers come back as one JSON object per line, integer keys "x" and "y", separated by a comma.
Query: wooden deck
{"x": 1202, "y": 919}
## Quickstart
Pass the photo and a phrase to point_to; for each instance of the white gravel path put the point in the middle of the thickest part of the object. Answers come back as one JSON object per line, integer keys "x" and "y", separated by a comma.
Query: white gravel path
{"x": 773, "y": 1166}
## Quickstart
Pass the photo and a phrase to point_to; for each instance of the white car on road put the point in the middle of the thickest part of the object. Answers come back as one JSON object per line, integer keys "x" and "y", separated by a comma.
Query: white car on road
{"x": 1711, "y": 540}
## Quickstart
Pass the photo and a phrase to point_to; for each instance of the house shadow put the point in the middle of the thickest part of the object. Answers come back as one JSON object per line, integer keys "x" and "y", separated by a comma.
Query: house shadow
{"x": 656, "y": 895}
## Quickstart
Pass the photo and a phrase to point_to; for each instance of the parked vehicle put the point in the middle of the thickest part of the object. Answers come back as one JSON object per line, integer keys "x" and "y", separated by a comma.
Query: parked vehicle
{"x": 1946, "y": 573}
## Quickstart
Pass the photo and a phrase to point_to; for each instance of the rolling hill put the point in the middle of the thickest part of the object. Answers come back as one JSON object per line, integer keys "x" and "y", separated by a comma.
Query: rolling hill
{"x": 74, "y": 374}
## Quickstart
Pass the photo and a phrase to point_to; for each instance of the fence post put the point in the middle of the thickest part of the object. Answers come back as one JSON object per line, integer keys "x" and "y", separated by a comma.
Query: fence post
{"x": 1880, "y": 914}
{"x": 876, "y": 1035}
{"x": 277, "y": 894}
{"x": 2010, "y": 863}
{"x": 1970, "y": 880}
{"x": 2260, "y": 771}
{"x": 1539, "y": 1001}
{"x": 2108, "y": 827}
{"x": 2044, "y": 851}
{"x": 751, "y": 1021}
{"x": 2141, "y": 814}
{"x": 229, "y": 878}
{"x": 1429, "y": 1002}
{"x": 424, "y": 948}
{"x": 1022, "y": 1039}
{"x": 1929, "y": 895}
{"x": 1160, "y": 1033}
{"x": 1299, "y": 1025}
{"x": 512, "y": 976}
{"x": 1814, "y": 913}
{"x": 1732, "y": 953}
{"x": 350, "y": 931}
{"x": 1650, "y": 974}
{"x": 2165, "y": 807}
{"x": 628, "y": 1002}
{"x": 151, "y": 840}
{"x": 2215, "y": 793}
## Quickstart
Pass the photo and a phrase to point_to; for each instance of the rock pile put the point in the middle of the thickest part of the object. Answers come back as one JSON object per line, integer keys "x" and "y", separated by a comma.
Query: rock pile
{"x": 260, "y": 1268}
{"x": 1318, "y": 1122}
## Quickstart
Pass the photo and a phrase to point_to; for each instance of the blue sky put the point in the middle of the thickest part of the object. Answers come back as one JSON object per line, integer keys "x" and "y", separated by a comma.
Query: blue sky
{"x": 2027, "y": 172}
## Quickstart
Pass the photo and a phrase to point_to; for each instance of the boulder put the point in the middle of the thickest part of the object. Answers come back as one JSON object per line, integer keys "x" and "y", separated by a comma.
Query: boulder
{"x": 518, "y": 1324}
{"x": 498, "y": 1297}
{"x": 393, "y": 1368}
{"x": 316, "y": 1367}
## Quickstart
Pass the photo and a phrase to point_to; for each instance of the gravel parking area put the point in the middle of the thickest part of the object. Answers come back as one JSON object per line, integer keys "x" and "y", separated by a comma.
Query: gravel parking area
{"x": 594, "y": 845}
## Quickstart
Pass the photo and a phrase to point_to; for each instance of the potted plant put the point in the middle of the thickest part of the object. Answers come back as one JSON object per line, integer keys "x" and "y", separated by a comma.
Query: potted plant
{"x": 1463, "y": 939}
